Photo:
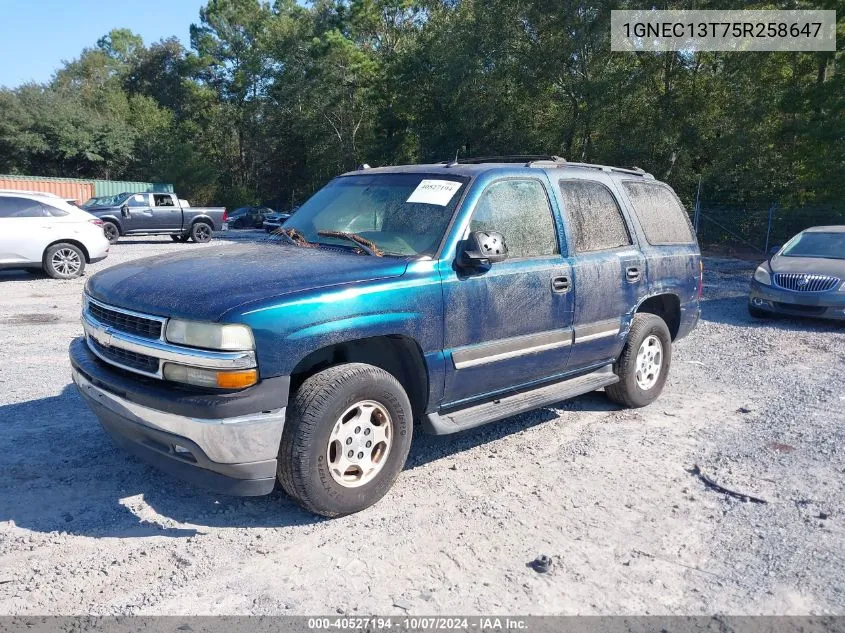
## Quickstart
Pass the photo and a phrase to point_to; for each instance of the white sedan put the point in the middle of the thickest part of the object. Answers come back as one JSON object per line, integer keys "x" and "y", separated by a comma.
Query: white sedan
{"x": 40, "y": 230}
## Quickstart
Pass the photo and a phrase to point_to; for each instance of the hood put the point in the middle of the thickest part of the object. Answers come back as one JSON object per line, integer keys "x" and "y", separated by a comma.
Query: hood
{"x": 809, "y": 265}
{"x": 203, "y": 286}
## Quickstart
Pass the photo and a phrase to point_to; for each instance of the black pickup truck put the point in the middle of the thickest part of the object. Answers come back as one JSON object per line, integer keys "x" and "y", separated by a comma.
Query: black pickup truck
{"x": 157, "y": 213}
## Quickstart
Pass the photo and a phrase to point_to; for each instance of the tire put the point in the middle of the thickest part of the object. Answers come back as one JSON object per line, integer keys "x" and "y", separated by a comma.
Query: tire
{"x": 314, "y": 429}
{"x": 633, "y": 391}
{"x": 64, "y": 261}
{"x": 757, "y": 313}
{"x": 111, "y": 231}
{"x": 201, "y": 232}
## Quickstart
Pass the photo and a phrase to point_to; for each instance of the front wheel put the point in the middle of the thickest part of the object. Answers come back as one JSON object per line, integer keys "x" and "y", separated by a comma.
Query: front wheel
{"x": 201, "y": 233}
{"x": 64, "y": 261}
{"x": 643, "y": 366}
{"x": 111, "y": 232}
{"x": 346, "y": 439}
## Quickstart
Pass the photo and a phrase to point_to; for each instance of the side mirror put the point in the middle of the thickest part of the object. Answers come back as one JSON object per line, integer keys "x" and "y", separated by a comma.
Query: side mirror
{"x": 483, "y": 249}
{"x": 774, "y": 249}
{"x": 124, "y": 210}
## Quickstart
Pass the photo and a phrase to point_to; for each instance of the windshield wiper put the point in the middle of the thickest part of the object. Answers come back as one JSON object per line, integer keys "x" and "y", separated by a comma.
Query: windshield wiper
{"x": 366, "y": 245}
{"x": 292, "y": 236}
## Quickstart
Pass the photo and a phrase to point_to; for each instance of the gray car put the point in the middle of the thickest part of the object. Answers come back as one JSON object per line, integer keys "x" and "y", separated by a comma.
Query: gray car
{"x": 804, "y": 278}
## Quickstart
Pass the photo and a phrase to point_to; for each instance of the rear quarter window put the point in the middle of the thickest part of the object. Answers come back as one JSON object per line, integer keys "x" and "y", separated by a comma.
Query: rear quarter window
{"x": 661, "y": 214}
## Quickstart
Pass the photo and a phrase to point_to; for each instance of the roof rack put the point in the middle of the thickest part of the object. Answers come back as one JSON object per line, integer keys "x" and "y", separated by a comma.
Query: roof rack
{"x": 528, "y": 159}
{"x": 624, "y": 170}
{"x": 544, "y": 160}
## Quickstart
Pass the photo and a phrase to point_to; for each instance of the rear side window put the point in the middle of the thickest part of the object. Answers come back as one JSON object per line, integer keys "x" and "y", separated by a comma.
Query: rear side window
{"x": 519, "y": 210}
{"x": 162, "y": 200}
{"x": 22, "y": 208}
{"x": 55, "y": 211}
{"x": 593, "y": 216}
{"x": 661, "y": 215}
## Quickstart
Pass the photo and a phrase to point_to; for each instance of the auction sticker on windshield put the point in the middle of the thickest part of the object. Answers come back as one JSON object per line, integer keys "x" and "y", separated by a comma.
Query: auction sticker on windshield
{"x": 434, "y": 192}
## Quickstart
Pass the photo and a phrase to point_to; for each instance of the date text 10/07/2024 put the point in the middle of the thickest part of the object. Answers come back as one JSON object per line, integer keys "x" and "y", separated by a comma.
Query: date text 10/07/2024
{"x": 419, "y": 624}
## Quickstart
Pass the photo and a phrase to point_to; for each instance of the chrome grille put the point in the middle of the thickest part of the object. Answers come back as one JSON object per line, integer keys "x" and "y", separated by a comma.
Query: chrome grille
{"x": 124, "y": 357}
{"x": 125, "y": 321}
{"x": 801, "y": 282}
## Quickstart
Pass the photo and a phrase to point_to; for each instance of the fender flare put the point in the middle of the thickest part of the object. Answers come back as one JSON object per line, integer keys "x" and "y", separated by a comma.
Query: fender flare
{"x": 203, "y": 218}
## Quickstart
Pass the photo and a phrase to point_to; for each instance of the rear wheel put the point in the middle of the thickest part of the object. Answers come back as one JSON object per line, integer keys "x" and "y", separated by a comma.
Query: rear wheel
{"x": 346, "y": 439}
{"x": 111, "y": 231}
{"x": 64, "y": 261}
{"x": 201, "y": 233}
{"x": 644, "y": 363}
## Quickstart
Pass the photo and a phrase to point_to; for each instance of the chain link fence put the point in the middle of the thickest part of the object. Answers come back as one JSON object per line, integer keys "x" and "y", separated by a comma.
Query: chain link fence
{"x": 759, "y": 227}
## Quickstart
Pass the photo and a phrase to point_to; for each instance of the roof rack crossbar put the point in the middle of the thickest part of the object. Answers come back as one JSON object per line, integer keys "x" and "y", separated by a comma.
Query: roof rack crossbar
{"x": 511, "y": 158}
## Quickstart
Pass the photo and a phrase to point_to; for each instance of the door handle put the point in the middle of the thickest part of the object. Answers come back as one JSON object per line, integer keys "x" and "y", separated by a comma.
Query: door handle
{"x": 561, "y": 284}
{"x": 632, "y": 274}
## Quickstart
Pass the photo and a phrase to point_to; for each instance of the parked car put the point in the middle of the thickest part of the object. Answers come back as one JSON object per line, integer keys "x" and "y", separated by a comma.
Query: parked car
{"x": 42, "y": 231}
{"x": 157, "y": 214}
{"x": 806, "y": 277}
{"x": 478, "y": 291}
{"x": 248, "y": 217}
{"x": 274, "y": 221}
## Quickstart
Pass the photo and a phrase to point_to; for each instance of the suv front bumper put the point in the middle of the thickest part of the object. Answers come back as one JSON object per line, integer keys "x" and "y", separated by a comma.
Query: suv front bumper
{"x": 186, "y": 435}
{"x": 824, "y": 305}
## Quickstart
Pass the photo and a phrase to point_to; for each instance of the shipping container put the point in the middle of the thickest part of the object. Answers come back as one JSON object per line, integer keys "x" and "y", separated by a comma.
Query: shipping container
{"x": 67, "y": 188}
{"x": 114, "y": 187}
{"x": 80, "y": 189}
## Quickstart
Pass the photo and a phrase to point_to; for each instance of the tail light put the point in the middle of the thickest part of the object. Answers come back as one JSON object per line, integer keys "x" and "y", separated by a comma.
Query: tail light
{"x": 225, "y": 214}
{"x": 98, "y": 222}
{"x": 700, "y": 278}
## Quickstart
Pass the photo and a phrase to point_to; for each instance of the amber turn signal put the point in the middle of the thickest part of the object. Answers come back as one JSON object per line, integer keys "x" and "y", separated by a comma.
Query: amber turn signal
{"x": 237, "y": 379}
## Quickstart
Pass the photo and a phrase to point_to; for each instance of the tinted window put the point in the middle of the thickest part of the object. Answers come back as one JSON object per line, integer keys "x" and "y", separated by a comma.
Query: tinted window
{"x": 55, "y": 211}
{"x": 21, "y": 208}
{"x": 519, "y": 210}
{"x": 593, "y": 216}
{"x": 163, "y": 200}
{"x": 663, "y": 219}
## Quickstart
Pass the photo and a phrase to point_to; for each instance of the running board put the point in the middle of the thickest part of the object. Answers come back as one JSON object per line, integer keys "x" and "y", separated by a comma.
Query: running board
{"x": 506, "y": 406}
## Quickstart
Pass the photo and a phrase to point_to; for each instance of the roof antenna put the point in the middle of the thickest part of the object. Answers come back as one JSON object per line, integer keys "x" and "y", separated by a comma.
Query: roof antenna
{"x": 454, "y": 162}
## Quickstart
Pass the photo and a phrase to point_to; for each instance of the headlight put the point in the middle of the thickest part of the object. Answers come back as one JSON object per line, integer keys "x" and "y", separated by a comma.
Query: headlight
{"x": 239, "y": 379}
{"x": 228, "y": 337}
{"x": 762, "y": 275}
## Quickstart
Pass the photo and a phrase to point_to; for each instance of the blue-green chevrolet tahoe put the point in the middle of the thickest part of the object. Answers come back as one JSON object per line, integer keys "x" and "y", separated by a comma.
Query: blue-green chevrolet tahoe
{"x": 452, "y": 294}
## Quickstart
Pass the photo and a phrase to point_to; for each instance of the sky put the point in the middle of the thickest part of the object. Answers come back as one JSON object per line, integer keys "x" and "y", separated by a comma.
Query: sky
{"x": 36, "y": 35}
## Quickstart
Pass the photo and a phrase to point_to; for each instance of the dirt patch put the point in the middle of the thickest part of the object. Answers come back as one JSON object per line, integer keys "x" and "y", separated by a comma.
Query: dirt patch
{"x": 30, "y": 319}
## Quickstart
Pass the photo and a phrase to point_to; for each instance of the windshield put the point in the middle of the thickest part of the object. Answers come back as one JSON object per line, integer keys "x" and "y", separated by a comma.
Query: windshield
{"x": 402, "y": 214}
{"x": 106, "y": 201}
{"x": 816, "y": 244}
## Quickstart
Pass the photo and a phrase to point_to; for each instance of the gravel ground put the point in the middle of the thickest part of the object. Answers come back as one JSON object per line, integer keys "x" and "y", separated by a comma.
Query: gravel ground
{"x": 610, "y": 494}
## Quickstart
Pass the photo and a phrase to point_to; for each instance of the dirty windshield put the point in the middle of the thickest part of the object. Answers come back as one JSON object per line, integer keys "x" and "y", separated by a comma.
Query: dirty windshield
{"x": 402, "y": 214}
